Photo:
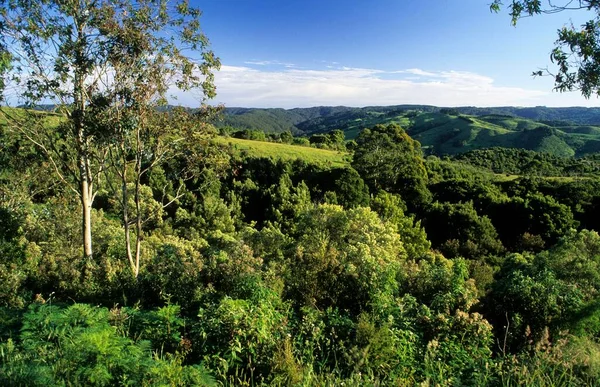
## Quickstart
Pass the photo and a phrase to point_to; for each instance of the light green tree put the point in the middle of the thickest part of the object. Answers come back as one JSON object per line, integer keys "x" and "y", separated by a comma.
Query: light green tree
{"x": 391, "y": 209}
{"x": 344, "y": 258}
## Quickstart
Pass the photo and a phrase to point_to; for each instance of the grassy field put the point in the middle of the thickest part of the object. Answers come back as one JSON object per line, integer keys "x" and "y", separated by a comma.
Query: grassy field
{"x": 279, "y": 151}
{"x": 22, "y": 116}
{"x": 450, "y": 135}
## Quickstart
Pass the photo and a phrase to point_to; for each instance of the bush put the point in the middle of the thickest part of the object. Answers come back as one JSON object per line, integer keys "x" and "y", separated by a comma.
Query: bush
{"x": 76, "y": 345}
{"x": 343, "y": 258}
{"x": 238, "y": 337}
{"x": 174, "y": 271}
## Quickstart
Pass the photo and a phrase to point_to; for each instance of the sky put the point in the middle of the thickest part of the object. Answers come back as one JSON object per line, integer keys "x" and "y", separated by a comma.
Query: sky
{"x": 288, "y": 53}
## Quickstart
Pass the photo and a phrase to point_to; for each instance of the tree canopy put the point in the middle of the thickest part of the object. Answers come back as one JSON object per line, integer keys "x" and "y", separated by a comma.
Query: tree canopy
{"x": 387, "y": 158}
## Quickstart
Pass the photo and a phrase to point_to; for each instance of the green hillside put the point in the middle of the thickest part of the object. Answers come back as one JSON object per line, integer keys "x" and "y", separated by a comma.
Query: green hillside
{"x": 278, "y": 151}
{"x": 322, "y": 118}
{"x": 445, "y": 134}
{"x": 273, "y": 120}
{"x": 442, "y": 131}
{"x": 352, "y": 123}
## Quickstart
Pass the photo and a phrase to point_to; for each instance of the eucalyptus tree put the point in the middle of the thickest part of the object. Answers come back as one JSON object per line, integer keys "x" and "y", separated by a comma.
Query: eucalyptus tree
{"x": 87, "y": 56}
{"x": 153, "y": 50}
{"x": 576, "y": 53}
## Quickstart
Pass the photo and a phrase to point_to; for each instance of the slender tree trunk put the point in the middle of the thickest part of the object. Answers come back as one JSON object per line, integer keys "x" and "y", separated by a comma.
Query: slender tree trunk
{"x": 138, "y": 220}
{"x": 86, "y": 207}
{"x": 86, "y": 184}
{"x": 138, "y": 245}
{"x": 85, "y": 175}
{"x": 125, "y": 200}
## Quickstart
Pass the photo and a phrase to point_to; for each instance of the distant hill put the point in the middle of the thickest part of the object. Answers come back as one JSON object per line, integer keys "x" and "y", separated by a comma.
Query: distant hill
{"x": 274, "y": 120}
{"x": 558, "y": 131}
{"x": 572, "y": 131}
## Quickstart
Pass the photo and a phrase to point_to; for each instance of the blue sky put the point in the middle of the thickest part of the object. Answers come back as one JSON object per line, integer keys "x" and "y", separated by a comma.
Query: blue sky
{"x": 291, "y": 53}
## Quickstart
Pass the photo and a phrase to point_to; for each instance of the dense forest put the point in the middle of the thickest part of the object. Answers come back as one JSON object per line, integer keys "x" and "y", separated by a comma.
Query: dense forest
{"x": 152, "y": 245}
{"x": 389, "y": 269}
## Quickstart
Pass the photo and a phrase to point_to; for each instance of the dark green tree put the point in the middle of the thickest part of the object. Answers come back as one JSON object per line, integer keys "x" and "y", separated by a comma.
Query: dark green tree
{"x": 387, "y": 158}
{"x": 349, "y": 188}
{"x": 458, "y": 230}
{"x": 337, "y": 138}
{"x": 286, "y": 137}
{"x": 534, "y": 214}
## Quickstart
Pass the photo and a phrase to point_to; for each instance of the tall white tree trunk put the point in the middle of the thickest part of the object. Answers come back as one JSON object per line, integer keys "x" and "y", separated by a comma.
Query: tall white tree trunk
{"x": 86, "y": 207}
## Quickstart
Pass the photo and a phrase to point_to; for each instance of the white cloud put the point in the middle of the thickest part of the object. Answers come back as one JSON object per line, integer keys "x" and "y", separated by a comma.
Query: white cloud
{"x": 270, "y": 63}
{"x": 416, "y": 72}
{"x": 294, "y": 87}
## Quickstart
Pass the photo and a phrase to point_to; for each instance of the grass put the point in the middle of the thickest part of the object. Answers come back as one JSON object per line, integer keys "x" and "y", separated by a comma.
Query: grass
{"x": 451, "y": 134}
{"x": 20, "y": 116}
{"x": 279, "y": 151}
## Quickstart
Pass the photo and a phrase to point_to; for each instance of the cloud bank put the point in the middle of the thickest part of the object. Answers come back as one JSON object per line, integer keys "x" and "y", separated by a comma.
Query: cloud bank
{"x": 287, "y": 86}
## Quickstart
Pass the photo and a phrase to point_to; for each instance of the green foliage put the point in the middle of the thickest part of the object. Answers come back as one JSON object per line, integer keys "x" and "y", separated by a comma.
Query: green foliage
{"x": 459, "y": 359}
{"x": 286, "y": 137}
{"x": 288, "y": 202}
{"x": 61, "y": 50}
{"x": 555, "y": 289}
{"x": 255, "y": 135}
{"x": 387, "y": 158}
{"x": 209, "y": 217}
{"x": 248, "y": 274}
{"x": 522, "y": 162}
{"x": 392, "y": 209}
{"x": 343, "y": 258}
{"x": 441, "y": 284}
{"x": 332, "y": 140}
{"x": 274, "y": 264}
{"x": 238, "y": 337}
{"x": 174, "y": 271}
{"x": 439, "y": 170}
{"x": 78, "y": 345}
{"x": 458, "y": 230}
{"x": 535, "y": 215}
{"x": 13, "y": 261}
{"x": 346, "y": 184}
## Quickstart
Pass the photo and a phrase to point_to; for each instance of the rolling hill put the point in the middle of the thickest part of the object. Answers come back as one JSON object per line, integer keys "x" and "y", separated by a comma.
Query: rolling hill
{"x": 559, "y": 131}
